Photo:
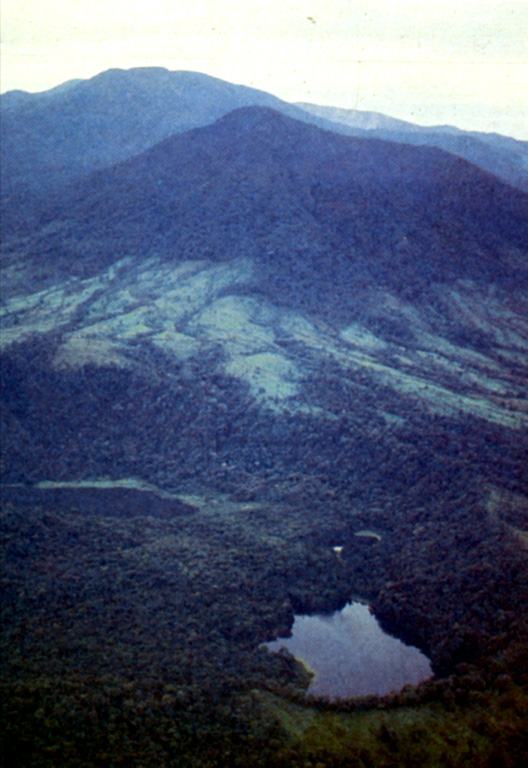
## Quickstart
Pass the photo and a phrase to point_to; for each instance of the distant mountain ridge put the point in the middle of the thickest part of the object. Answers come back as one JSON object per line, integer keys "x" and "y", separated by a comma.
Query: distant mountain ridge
{"x": 356, "y": 118}
{"x": 67, "y": 132}
{"x": 503, "y": 156}
{"x": 50, "y": 139}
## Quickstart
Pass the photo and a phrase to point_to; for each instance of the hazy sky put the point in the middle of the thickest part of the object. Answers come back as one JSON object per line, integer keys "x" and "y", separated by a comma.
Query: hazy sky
{"x": 430, "y": 62}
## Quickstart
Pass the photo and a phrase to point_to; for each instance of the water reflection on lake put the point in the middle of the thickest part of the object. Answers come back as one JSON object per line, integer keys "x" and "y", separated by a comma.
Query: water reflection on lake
{"x": 351, "y": 655}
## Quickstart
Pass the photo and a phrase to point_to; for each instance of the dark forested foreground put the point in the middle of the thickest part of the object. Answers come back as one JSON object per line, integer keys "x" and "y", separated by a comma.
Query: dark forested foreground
{"x": 133, "y": 618}
{"x": 221, "y": 360}
{"x": 133, "y": 639}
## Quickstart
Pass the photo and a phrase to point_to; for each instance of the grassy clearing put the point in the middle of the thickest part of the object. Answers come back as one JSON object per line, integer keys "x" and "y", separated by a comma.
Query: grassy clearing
{"x": 487, "y": 730}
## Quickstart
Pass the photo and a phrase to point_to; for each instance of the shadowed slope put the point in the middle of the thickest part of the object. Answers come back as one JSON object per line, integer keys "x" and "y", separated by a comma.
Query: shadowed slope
{"x": 321, "y": 214}
{"x": 49, "y": 139}
{"x": 502, "y": 156}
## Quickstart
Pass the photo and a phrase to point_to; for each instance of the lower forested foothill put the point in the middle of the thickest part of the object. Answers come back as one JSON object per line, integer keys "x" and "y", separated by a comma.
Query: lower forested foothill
{"x": 133, "y": 618}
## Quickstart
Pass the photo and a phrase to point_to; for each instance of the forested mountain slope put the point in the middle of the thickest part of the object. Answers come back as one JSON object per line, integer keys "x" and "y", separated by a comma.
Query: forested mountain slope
{"x": 502, "y": 156}
{"x": 49, "y": 139}
{"x": 222, "y": 359}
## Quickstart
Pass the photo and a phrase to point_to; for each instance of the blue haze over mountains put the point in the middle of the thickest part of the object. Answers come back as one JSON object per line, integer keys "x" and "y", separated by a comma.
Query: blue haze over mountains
{"x": 294, "y": 323}
{"x": 82, "y": 125}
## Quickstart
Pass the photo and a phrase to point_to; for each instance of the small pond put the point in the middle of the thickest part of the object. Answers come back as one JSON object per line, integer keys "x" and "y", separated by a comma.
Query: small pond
{"x": 351, "y": 655}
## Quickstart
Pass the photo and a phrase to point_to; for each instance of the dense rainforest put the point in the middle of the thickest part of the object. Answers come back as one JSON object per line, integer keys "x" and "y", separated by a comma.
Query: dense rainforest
{"x": 149, "y": 610}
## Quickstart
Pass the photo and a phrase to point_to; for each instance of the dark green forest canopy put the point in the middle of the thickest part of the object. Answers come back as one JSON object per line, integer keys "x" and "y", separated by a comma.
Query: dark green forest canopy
{"x": 130, "y": 598}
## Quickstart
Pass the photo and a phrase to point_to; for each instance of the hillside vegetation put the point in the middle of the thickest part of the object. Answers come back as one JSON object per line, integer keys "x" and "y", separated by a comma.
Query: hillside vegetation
{"x": 222, "y": 358}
